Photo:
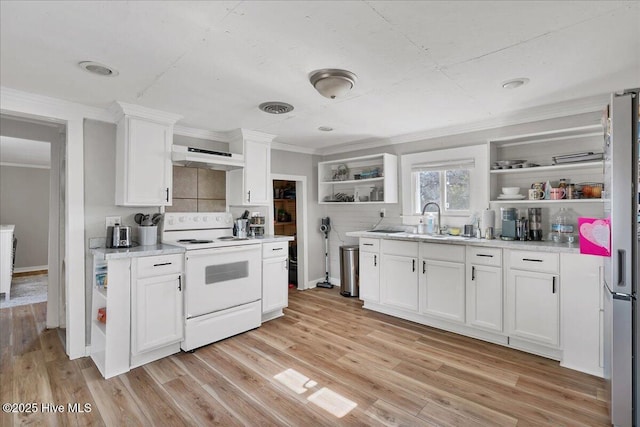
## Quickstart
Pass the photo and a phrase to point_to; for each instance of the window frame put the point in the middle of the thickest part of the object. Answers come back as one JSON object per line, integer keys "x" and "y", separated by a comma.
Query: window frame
{"x": 441, "y": 160}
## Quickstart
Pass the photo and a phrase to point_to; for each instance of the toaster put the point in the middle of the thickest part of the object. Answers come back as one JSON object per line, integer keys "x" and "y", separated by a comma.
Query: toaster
{"x": 118, "y": 236}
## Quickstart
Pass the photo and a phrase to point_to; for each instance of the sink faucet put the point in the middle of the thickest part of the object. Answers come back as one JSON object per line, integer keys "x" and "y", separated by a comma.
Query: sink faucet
{"x": 424, "y": 209}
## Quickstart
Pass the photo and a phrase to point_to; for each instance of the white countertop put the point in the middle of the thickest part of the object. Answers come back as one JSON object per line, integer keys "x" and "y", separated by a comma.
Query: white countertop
{"x": 137, "y": 251}
{"x": 541, "y": 246}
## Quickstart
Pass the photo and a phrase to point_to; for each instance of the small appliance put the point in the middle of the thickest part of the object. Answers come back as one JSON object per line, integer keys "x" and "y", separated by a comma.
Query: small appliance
{"x": 325, "y": 228}
{"x": 118, "y": 236}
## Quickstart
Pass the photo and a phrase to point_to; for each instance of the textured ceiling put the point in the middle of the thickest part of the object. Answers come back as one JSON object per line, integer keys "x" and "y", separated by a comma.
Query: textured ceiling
{"x": 420, "y": 65}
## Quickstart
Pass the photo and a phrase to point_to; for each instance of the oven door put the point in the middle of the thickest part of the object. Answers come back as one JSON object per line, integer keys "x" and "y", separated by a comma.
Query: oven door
{"x": 221, "y": 278}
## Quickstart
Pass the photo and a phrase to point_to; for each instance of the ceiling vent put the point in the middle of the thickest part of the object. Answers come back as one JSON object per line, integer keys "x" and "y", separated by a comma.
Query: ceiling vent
{"x": 97, "y": 68}
{"x": 276, "y": 107}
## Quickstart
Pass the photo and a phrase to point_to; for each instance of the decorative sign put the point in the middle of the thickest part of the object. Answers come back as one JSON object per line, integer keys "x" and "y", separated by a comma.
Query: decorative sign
{"x": 595, "y": 236}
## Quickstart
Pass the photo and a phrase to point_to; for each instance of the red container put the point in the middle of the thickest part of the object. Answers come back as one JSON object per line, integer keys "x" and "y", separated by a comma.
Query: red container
{"x": 102, "y": 315}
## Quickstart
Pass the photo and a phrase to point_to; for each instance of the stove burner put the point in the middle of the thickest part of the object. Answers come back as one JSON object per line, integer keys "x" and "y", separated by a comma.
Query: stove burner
{"x": 194, "y": 241}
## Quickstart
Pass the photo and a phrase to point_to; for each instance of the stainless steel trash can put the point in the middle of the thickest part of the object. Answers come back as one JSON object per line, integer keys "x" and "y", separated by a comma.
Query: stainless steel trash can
{"x": 349, "y": 273}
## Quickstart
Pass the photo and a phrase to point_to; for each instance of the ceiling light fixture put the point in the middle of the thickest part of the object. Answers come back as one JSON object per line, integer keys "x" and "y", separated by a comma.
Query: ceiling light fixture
{"x": 515, "y": 83}
{"x": 333, "y": 83}
{"x": 274, "y": 107}
{"x": 97, "y": 68}
{"x": 325, "y": 128}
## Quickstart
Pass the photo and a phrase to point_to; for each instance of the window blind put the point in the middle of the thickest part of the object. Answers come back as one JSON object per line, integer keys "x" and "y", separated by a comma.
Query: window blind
{"x": 444, "y": 165}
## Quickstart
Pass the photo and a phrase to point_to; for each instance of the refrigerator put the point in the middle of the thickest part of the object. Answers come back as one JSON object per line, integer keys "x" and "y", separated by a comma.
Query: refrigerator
{"x": 620, "y": 278}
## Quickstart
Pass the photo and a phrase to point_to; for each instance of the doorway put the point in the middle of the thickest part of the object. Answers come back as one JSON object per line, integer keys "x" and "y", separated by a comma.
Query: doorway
{"x": 37, "y": 147}
{"x": 289, "y": 219}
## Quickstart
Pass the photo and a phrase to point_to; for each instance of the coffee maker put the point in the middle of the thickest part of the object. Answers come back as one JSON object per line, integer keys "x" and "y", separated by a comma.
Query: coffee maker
{"x": 509, "y": 223}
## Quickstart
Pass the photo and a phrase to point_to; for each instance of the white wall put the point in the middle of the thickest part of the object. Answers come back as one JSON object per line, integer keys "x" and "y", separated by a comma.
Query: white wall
{"x": 24, "y": 201}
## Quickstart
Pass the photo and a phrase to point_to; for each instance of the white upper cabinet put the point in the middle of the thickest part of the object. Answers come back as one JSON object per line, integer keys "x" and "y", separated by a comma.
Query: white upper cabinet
{"x": 143, "y": 156}
{"x": 366, "y": 179}
{"x": 251, "y": 185}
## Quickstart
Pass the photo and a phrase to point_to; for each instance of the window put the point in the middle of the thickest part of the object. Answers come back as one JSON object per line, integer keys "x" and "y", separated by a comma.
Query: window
{"x": 449, "y": 188}
{"x": 454, "y": 178}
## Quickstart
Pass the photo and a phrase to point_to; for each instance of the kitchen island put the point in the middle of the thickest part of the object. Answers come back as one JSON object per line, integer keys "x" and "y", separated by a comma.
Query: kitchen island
{"x": 539, "y": 297}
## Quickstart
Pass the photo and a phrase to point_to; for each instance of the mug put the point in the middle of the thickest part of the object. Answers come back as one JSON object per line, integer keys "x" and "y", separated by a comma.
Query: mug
{"x": 538, "y": 186}
{"x": 557, "y": 193}
{"x": 536, "y": 194}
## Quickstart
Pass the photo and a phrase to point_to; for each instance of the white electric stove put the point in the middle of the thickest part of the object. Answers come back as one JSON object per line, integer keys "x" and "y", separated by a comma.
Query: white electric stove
{"x": 223, "y": 283}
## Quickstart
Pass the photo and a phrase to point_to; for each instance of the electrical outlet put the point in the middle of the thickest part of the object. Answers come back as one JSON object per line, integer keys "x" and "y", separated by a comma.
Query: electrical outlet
{"x": 383, "y": 212}
{"x": 112, "y": 220}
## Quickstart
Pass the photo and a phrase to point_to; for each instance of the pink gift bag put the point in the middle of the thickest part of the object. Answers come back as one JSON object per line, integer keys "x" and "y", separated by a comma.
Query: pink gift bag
{"x": 595, "y": 236}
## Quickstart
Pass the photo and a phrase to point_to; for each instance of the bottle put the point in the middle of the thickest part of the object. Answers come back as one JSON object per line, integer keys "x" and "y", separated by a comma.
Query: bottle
{"x": 547, "y": 190}
{"x": 430, "y": 224}
{"x": 421, "y": 227}
{"x": 562, "y": 226}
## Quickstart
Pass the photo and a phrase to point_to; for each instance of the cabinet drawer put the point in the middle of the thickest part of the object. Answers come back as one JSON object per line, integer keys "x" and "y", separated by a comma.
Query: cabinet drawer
{"x": 442, "y": 252}
{"x": 484, "y": 256}
{"x": 397, "y": 247}
{"x": 159, "y": 265}
{"x": 275, "y": 249}
{"x": 534, "y": 261}
{"x": 369, "y": 245}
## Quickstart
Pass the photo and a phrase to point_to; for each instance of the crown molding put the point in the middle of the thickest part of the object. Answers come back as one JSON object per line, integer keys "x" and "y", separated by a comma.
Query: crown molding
{"x": 237, "y": 135}
{"x": 201, "y": 133}
{"x": 55, "y": 110}
{"x": 545, "y": 112}
{"x": 120, "y": 109}
{"x": 293, "y": 148}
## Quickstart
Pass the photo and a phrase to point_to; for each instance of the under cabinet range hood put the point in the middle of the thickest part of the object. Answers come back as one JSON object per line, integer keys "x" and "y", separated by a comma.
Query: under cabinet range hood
{"x": 209, "y": 159}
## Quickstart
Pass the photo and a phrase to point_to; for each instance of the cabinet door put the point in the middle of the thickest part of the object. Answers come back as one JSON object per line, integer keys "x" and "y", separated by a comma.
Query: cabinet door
{"x": 147, "y": 164}
{"x": 399, "y": 285}
{"x": 275, "y": 276}
{"x": 444, "y": 287}
{"x": 484, "y": 297}
{"x": 533, "y": 301}
{"x": 157, "y": 312}
{"x": 369, "y": 264}
{"x": 256, "y": 172}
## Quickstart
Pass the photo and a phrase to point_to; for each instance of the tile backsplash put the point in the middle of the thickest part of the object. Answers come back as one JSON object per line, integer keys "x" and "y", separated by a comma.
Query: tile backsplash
{"x": 198, "y": 190}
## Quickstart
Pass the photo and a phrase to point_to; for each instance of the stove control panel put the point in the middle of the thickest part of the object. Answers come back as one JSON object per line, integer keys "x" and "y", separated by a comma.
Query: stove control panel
{"x": 197, "y": 220}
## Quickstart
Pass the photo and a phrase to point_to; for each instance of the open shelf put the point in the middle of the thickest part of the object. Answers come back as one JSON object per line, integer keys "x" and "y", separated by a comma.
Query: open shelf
{"x": 544, "y": 202}
{"x": 561, "y": 167}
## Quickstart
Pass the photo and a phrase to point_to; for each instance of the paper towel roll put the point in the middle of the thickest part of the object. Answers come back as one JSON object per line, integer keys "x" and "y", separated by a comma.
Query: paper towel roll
{"x": 488, "y": 219}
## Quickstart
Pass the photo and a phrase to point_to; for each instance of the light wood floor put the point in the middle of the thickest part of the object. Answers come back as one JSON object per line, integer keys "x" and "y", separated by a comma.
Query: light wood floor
{"x": 397, "y": 372}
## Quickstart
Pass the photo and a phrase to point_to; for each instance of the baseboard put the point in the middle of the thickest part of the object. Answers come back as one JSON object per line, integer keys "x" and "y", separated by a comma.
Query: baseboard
{"x": 30, "y": 271}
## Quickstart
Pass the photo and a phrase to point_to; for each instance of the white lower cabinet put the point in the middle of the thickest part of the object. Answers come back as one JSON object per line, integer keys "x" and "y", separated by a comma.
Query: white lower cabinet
{"x": 442, "y": 281}
{"x": 157, "y": 321}
{"x": 582, "y": 313}
{"x": 369, "y": 270}
{"x": 533, "y": 297}
{"x": 399, "y": 282}
{"x": 484, "y": 288}
{"x": 275, "y": 279}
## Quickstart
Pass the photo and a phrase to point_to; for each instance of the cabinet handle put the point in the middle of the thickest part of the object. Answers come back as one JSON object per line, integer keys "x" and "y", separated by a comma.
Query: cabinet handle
{"x": 375, "y": 260}
{"x": 180, "y": 283}
{"x": 249, "y": 196}
{"x": 413, "y": 265}
{"x": 367, "y": 244}
{"x": 485, "y": 255}
{"x": 531, "y": 259}
{"x": 622, "y": 255}
{"x": 162, "y": 263}
{"x": 167, "y": 190}
{"x": 424, "y": 267}
{"x": 277, "y": 249}
{"x": 285, "y": 265}
{"x": 553, "y": 285}
{"x": 473, "y": 272}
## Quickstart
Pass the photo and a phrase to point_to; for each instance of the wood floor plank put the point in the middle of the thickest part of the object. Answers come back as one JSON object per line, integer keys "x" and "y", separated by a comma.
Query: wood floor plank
{"x": 24, "y": 334}
{"x": 32, "y": 385}
{"x": 114, "y": 401}
{"x": 69, "y": 387}
{"x": 389, "y": 415}
{"x": 164, "y": 370}
{"x": 156, "y": 404}
{"x": 51, "y": 345}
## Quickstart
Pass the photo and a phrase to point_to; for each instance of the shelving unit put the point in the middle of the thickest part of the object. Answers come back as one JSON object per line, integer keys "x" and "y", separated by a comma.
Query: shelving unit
{"x": 110, "y": 340}
{"x": 539, "y": 148}
{"x": 338, "y": 183}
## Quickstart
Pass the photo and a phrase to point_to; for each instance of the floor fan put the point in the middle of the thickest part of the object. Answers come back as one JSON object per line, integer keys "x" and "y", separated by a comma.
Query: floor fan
{"x": 325, "y": 227}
